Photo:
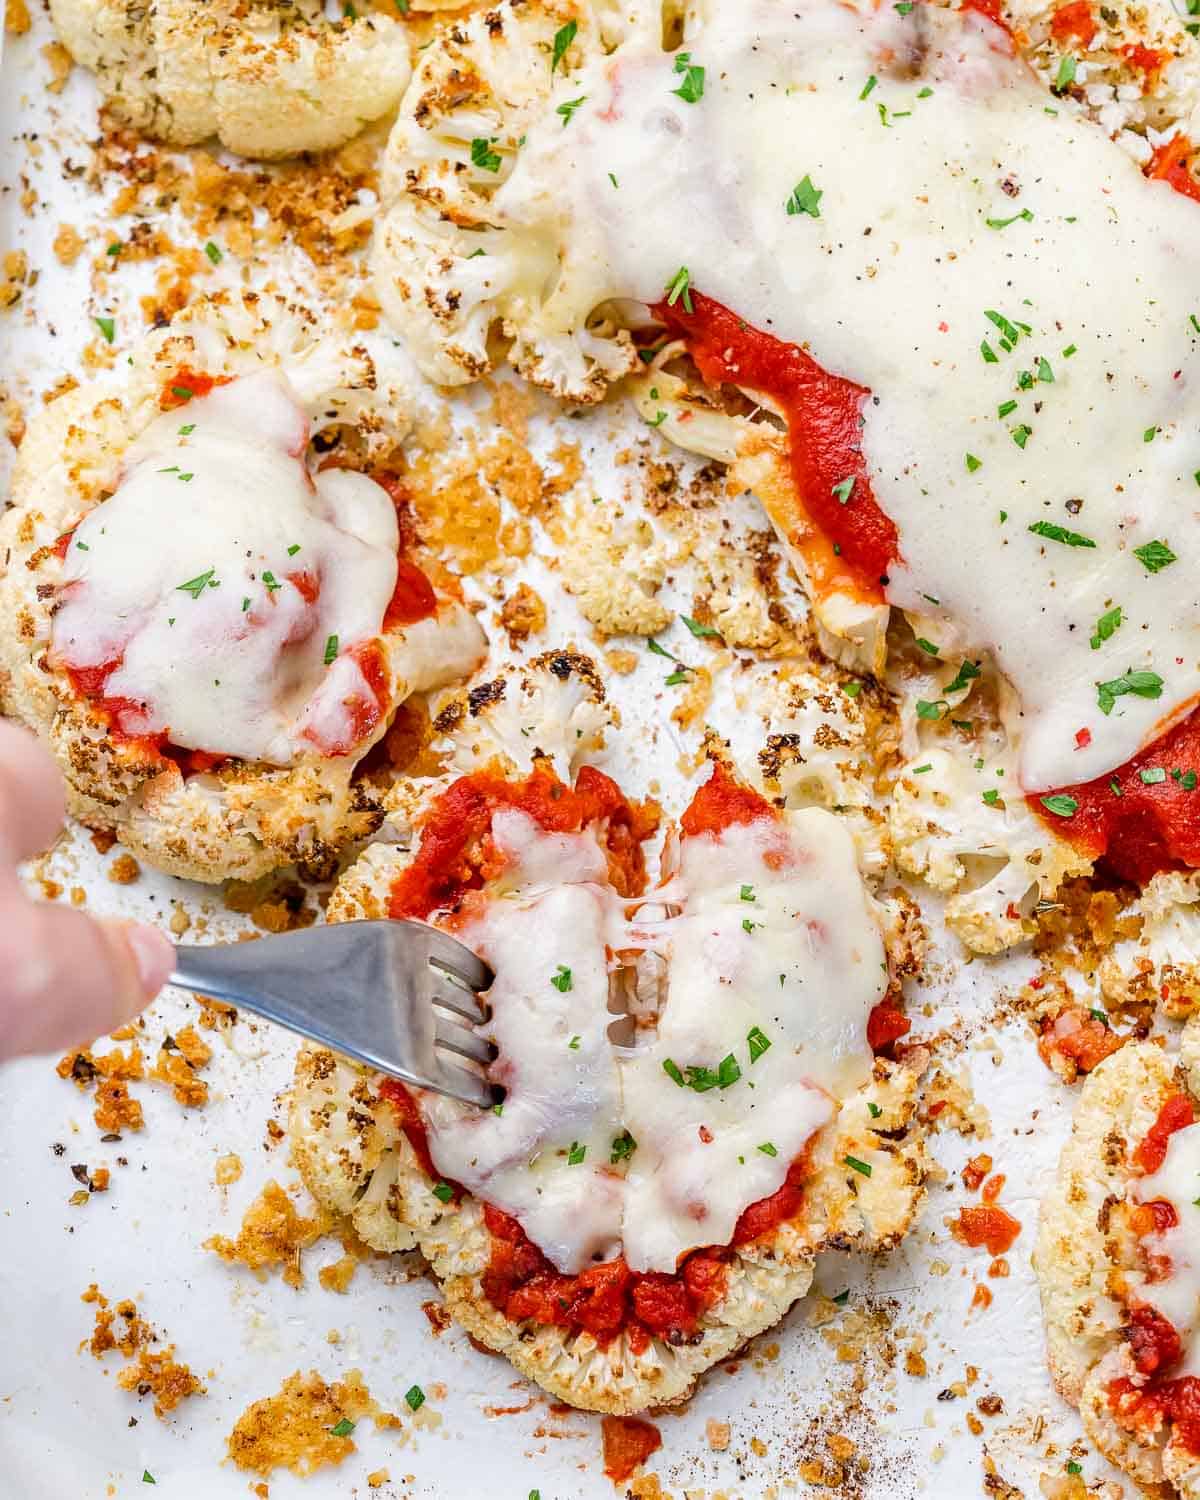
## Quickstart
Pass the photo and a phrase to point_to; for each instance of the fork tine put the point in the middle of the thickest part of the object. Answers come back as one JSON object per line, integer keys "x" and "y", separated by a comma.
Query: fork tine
{"x": 463, "y": 1002}
{"x": 461, "y": 1083}
{"x": 454, "y": 958}
{"x": 463, "y": 1040}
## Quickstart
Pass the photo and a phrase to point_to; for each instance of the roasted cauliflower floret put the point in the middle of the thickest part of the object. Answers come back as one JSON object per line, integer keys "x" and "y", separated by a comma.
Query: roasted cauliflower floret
{"x": 1162, "y": 964}
{"x": 213, "y": 716}
{"x": 955, "y": 827}
{"x": 458, "y": 270}
{"x": 267, "y": 79}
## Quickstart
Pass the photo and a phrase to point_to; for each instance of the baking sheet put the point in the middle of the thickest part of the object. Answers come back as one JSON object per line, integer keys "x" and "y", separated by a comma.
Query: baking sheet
{"x": 65, "y": 1427}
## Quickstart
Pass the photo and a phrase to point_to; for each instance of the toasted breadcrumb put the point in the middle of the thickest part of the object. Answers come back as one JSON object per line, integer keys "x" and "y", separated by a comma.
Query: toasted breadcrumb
{"x": 522, "y": 614}
{"x": 272, "y": 1234}
{"x": 16, "y": 17}
{"x": 151, "y": 1372}
{"x": 124, "y": 870}
{"x": 305, "y": 1426}
{"x": 228, "y": 1169}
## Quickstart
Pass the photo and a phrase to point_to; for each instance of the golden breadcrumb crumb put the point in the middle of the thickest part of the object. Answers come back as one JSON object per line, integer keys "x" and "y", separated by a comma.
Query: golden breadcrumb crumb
{"x": 151, "y": 1372}
{"x": 159, "y": 1375}
{"x": 522, "y": 614}
{"x": 61, "y": 62}
{"x": 124, "y": 870}
{"x": 304, "y": 1427}
{"x": 228, "y": 1169}
{"x": 272, "y": 1234}
{"x": 16, "y": 17}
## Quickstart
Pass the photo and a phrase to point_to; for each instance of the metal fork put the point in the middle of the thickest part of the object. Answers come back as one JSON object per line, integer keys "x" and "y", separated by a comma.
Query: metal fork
{"x": 398, "y": 996}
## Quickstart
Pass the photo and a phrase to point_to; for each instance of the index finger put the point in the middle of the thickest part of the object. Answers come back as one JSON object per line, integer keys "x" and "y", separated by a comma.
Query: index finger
{"x": 32, "y": 804}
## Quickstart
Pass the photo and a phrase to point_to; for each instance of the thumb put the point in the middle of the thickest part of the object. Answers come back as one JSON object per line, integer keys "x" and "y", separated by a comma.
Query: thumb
{"x": 66, "y": 978}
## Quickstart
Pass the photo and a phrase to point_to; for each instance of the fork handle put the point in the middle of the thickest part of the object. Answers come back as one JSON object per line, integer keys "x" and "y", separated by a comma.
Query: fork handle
{"x": 298, "y": 990}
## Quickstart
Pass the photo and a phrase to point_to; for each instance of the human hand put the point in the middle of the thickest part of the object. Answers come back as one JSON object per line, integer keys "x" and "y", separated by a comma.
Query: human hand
{"x": 65, "y": 977}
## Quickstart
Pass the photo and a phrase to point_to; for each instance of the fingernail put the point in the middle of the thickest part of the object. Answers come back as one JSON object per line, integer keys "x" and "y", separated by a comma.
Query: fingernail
{"x": 153, "y": 954}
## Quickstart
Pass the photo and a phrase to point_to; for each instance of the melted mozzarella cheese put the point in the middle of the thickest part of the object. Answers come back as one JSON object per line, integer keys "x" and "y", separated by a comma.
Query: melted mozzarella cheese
{"x": 196, "y": 577}
{"x": 774, "y": 939}
{"x": 803, "y": 975}
{"x": 892, "y": 285}
{"x": 544, "y": 935}
{"x": 1177, "y": 1296}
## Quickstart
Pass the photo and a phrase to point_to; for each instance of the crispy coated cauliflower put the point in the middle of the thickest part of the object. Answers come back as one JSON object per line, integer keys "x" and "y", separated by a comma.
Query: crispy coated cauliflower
{"x": 614, "y": 564}
{"x": 217, "y": 733}
{"x": 989, "y": 854}
{"x": 452, "y": 271}
{"x": 267, "y": 79}
{"x": 1162, "y": 964}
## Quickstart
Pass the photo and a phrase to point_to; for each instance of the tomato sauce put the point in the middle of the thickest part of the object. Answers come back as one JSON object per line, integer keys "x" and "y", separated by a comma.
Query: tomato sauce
{"x": 849, "y": 544}
{"x": 628, "y": 1443}
{"x": 188, "y": 385}
{"x": 886, "y": 1025}
{"x": 1074, "y": 23}
{"x": 1142, "y": 828}
{"x": 985, "y": 1224}
{"x": 411, "y": 1123}
{"x": 457, "y": 854}
{"x": 1138, "y": 1408}
{"x": 722, "y": 801}
{"x": 1172, "y": 163}
{"x": 1176, "y": 1114}
{"x": 412, "y": 599}
{"x": 1086, "y": 1043}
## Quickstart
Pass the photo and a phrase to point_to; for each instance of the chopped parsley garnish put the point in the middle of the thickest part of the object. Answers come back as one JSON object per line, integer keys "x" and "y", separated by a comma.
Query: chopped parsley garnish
{"x": 972, "y": 463}
{"x": 1186, "y": 779}
{"x": 483, "y": 156}
{"x": 562, "y": 980}
{"x": 844, "y": 489}
{"x": 1074, "y": 1468}
{"x": 293, "y": 549}
{"x": 927, "y": 710}
{"x": 1021, "y": 435}
{"x": 842, "y": 1298}
{"x": 747, "y": 893}
{"x": 272, "y": 583}
{"x": 927, "y": 646}
{"x": 1053, "y": 532}
{"x": 851, "y": 689}
{"x": 196, "y": 586}
{"x": 874, "y": 1109}
{"x": 1061, "y": 806}
{"x": 1006, "y": 408}
{"x": 148, "y": 1478}
{"x": 576, "y": 1154}
{"x": 920, "y": 770}
{"x": 768, "y": 1149}
{"x": 680, "y": 674}
{"x": 869, "y": 85}
{"x": 1152, "y": 775}
{"x": 659, "y": 418}
{"x": 680, "y": 286}
{"x": 568, "y": 108}
{"x": 1102, "y": 1017}
{"x": 1044, "y": 373}
{"x": 806, "y": 199}
{"x": 728, "y": 1071}
{"x": 697, "y": 628}
{"x": 187, "y": 429}
{"x": 859, "y": 1166}
{"x": 671, "y": 1069}
{"x": 1155, "y": 556}
{"x": 1070, "y": 350}
{"x": 1008, "y": 330}
{"x": 573, "y": 1044}
{"x": 443, "y": 1191}
{"x": 691, "y": 90}
{"x": 748, "y": 925}
{"x": 966, "y": 673}
{"x": 1066, "y": 74}
{"x": 343, "y": 1428}
{"x": 758, "y": 1043}
{"x": 1105, "y": 626}
{"x": 991, "y": 797}
{"x": 563, "y": 38}
{"x": 108, "y": 328}
{"x": 214, "y": 253}
{"x": 331, "y": 648}
{"x": 1004, "y": 223}
{"x": 990, "y": 357}
{"x": 613, "y": 180}
{"x": 1149, "y": 435}
{"x": 415, "y": 1397}
{"x": 1140, "y": 684}
{"x": 623, "y": 1147}
{"x": 83, "y": 547}
{"x": 183, "y": 392}
{"x": 246, "y": 606}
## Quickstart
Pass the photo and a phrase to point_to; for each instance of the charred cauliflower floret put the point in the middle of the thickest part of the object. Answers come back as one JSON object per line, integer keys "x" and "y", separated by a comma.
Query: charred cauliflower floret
{"x": 267, "y": 79}
{"x": 464, "y": 278}
{"x": 208, "y": 630}
{"x": 970, "y": 834}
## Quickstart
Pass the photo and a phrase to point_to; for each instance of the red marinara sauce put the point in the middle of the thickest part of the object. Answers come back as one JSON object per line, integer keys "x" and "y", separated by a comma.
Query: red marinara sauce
{"x": 628, "y": 1442}
{"x": 457, "y": 854}
{"x": 189, "y": 385}
{"x": 1177, "y": 1113}
{"x": 1140, "y": 828}
{"x": 1074, "y": 23}
{"x": 412, "y": 599}
{"x": 1172, "y": 163}
{"x": 985, "y": 1224}
{"x": 847, "y": 544}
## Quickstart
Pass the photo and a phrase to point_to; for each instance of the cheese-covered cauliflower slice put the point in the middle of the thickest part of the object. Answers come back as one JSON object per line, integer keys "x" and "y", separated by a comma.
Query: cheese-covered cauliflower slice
{"x": 267, "y": 79}
{"x": 208, "y": 631}
{"x": 955, "y": 822}
{"x": 1118, "y": 1270}
{"x": 649, "y": 1193}
{"x": 453, "y": 272}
